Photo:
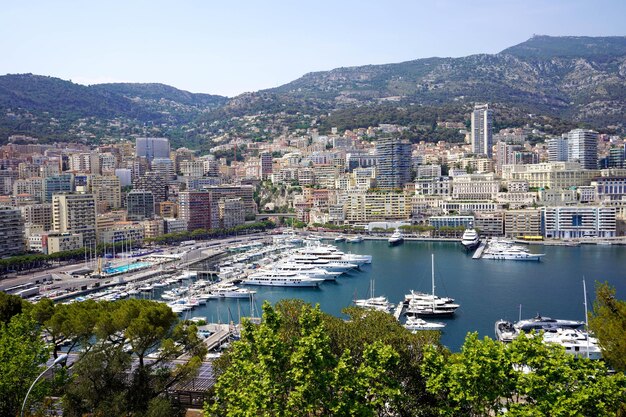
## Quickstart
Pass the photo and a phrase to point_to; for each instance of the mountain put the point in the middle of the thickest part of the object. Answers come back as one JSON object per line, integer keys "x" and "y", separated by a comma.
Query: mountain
{"x": 567, "y": 81}
{"x": 579, "y": 78}
{"x": 49, "y": 107}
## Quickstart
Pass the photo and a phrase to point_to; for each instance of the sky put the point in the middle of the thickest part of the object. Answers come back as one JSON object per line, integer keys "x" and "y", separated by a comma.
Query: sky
{"x": 230, "y": 47}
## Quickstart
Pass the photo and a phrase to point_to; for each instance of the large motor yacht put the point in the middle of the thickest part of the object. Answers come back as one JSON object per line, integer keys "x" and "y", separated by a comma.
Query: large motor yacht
{"x": 396, "y": 238}
{"x": 281, "y": 279}
{"x": 470, "y": 239}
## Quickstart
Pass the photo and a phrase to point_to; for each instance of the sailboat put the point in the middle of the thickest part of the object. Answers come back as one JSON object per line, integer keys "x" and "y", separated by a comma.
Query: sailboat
{"x": 432, "y": 306}
{"x": 374, "y": 303}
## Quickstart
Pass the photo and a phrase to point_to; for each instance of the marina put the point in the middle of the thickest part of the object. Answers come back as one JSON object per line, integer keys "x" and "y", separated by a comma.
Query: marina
{"x": 484, "y": 292}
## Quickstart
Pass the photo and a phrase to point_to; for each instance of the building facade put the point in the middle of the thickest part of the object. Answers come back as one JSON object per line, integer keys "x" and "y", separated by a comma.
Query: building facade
{"x": 482, "y": 136}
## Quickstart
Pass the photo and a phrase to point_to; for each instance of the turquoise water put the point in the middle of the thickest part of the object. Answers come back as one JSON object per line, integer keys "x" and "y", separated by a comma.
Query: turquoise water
{"x": 126, "y": 268}
{"x": 487, "y": 290}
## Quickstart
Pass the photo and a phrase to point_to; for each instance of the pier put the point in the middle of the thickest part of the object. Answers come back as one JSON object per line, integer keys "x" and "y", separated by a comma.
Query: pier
{"x": 479, "y": 251}
{"x": 399, "y": 310}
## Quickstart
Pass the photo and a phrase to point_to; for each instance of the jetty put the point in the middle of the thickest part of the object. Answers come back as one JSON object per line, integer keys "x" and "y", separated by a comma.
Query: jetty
{"x": 479, "y": 251}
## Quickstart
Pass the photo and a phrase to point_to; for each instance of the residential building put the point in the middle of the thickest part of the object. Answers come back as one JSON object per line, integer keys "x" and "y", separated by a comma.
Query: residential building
{"x": 174, "y": 225}
{"x": 192, "y": 168}
{"x": 164, "y": 167}
{"x": 557, "y": 149}
{"x": 168, "y": 209}
{"x": 428, "y": 171}
{"x": 582, "y": 147}
{"x": 451, "y": 221}
{"x": 63, "y": 183}
{"x": 108, "y": 192}
{"x": 151, "y": 148}
{"x": 61, "y": 242}
{"x": 579, "y": 222}
{"x": 437, "y": 186}
{"x": 194, "y": 207}
{"x": 231, "y": 212}
{"x": 394, "y": 163}
{"x": 154, "y": 182}
{"x": 75, "y": 213}
{"x": 11, "y": 232}
{"x": 140, "y": 205}
{"x": 153, "y": 228}
{"x": 475, "y": 187}
{"x": 122, "y": 232}
{"x": 490, "y": 224}
{"x": 525, "y": 222}
{"x": 265, "y": 159}
{"x": 482, "y": 137}
{"x": 39, "y": 214}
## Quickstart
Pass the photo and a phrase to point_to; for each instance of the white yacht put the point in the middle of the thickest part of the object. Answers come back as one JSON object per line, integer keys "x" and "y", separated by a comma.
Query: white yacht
{"x": 332, "y": 253}
{"x": 505, "y": 331}
{"x": 543, "y": 323}
{"x": 340, "y": 238}
{"x": 307, "y": 270}
{"x": 328, "y": 265}
{"x": 433, "y": 306}
{"x": 470, "y": 239}
{"x": 503, "y": 250}
{"x": 575, "y": 342}
{"x": 281, "y": 279}
{"x": 228, "y": 290}
{"x": 415, "y": 323}
{"x": 355, "y": 239}
{"x": 396, "y": 238}
{"x": 374, "y": 303}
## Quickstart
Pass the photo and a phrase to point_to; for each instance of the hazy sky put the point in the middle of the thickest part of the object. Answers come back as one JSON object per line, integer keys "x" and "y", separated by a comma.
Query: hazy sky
{"x": 229, "y": 47}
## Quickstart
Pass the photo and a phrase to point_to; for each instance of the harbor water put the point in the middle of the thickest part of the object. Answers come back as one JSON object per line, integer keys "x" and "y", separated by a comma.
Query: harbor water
{"x": 487, "y": 290}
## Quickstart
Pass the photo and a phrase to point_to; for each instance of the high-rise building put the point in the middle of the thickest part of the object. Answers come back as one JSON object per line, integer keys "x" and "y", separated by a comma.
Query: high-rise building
{"x": 194, "y": 207}
{"x": 266, "y": 165}
{"x": 63, "y": 183}
{"x": 38, "y": 214}
{"x": 616, "y": 157}
{"x": 151, "y": 148}
{"x": 557, "y": 149}
{"x": 140, "y": 205}
{"x": 11, "y": 232}
{"x": 482, "y": 137}
{"x": 155, "y": 182}
{"x": 164, "y": 167}
{"x": 394, "y": 163}
{"x": 107, "y": 190}
{"x": 75, "y": 213}
{"x": 583, "y": 148}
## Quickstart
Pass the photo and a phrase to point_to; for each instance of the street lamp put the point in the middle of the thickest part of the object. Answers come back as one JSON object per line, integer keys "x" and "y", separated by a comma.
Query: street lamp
{"x": 57, "y": 361}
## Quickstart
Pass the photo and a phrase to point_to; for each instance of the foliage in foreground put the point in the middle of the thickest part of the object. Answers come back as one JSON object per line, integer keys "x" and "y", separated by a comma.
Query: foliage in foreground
{"x": 524, "y": 378}
{"x": 608, "y": 322}
{"x": 296, "y": 363}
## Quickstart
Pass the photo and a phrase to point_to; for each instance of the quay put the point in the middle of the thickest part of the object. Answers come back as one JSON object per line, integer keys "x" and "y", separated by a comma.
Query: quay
{"x": 479, "y": 251}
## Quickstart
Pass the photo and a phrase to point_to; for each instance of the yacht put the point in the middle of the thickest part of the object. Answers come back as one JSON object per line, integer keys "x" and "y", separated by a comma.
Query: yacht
{"x": 306, "y": 270}
{"x": 332, "y": 253}
{"x": 328, "y": 265}
{"x": 422, "y": 305}
{"x": 228, "y": 290}
{"x": 374, "y": 303}
{"x": 505, "y": 331}
{"x": 281, "y": 279}
{"x": 500, "y": 250}
{"x": 355, "y": 239}
{"x": 470, "y": 239}
{"x": 415, "y": 323}
{"x": 340, "y": 238}
{"x": 396, "y": 238}
{"x": 543, "y": 323}
{"x": 575, "y": 342}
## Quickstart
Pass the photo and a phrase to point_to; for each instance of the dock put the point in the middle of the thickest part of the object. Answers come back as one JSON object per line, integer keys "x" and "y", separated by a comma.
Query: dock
{"x": 399, "y": 310}
{"x": 479, "y": 251}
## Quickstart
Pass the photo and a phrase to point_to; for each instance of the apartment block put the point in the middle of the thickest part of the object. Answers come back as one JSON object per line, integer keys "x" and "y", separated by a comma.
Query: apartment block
{"x": 579, "y": 222}
{"x": 75, "y": 213}
{"x": 11, "y": 232}
{"x": 522, "y": 223}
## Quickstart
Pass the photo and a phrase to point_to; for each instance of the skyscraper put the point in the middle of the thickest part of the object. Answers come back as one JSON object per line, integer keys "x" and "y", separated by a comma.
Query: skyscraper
{"x": 140, "y": 205}
{"x": 11, "y": 232}
{"x": 482, "y": 137}
{"x": 75, "y": 213}
{"x": 394, "y": 163}
{"x": 582, "y": 147}
{"x": 151, "y": 148}
{"x": 557, "y": 149}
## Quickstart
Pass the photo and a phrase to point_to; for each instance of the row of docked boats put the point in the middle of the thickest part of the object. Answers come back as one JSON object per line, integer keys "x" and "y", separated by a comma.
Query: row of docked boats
{"x": 308, "y": 266}
{"x": 566, "y": 333}
{"x": 507, "y": 250}
{"x": 349, "y": 239}
{"x": 419, "y": 305}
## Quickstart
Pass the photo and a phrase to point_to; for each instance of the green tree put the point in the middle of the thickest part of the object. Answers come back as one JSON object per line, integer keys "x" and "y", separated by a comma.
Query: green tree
{"x": 525, "y": 378}
{"x": 608, "y": 322}
{"x": 22, "y": 354}
{"x": 10, "y": 305}
{"x": 292, "y": 370}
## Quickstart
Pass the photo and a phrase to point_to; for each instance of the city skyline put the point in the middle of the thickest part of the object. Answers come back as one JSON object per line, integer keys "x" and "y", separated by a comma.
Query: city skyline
{"x": 228, "y": 50}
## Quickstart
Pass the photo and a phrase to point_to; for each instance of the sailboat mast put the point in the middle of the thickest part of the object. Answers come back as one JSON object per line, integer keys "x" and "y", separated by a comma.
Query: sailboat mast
{"x": 586, "y": 315}
{"x": 432, "y": 269}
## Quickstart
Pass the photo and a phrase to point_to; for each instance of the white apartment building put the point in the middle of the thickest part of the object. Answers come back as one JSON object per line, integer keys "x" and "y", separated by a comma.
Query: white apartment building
{"x": 75, "y": 213}
{"x": 579, "y": 222}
